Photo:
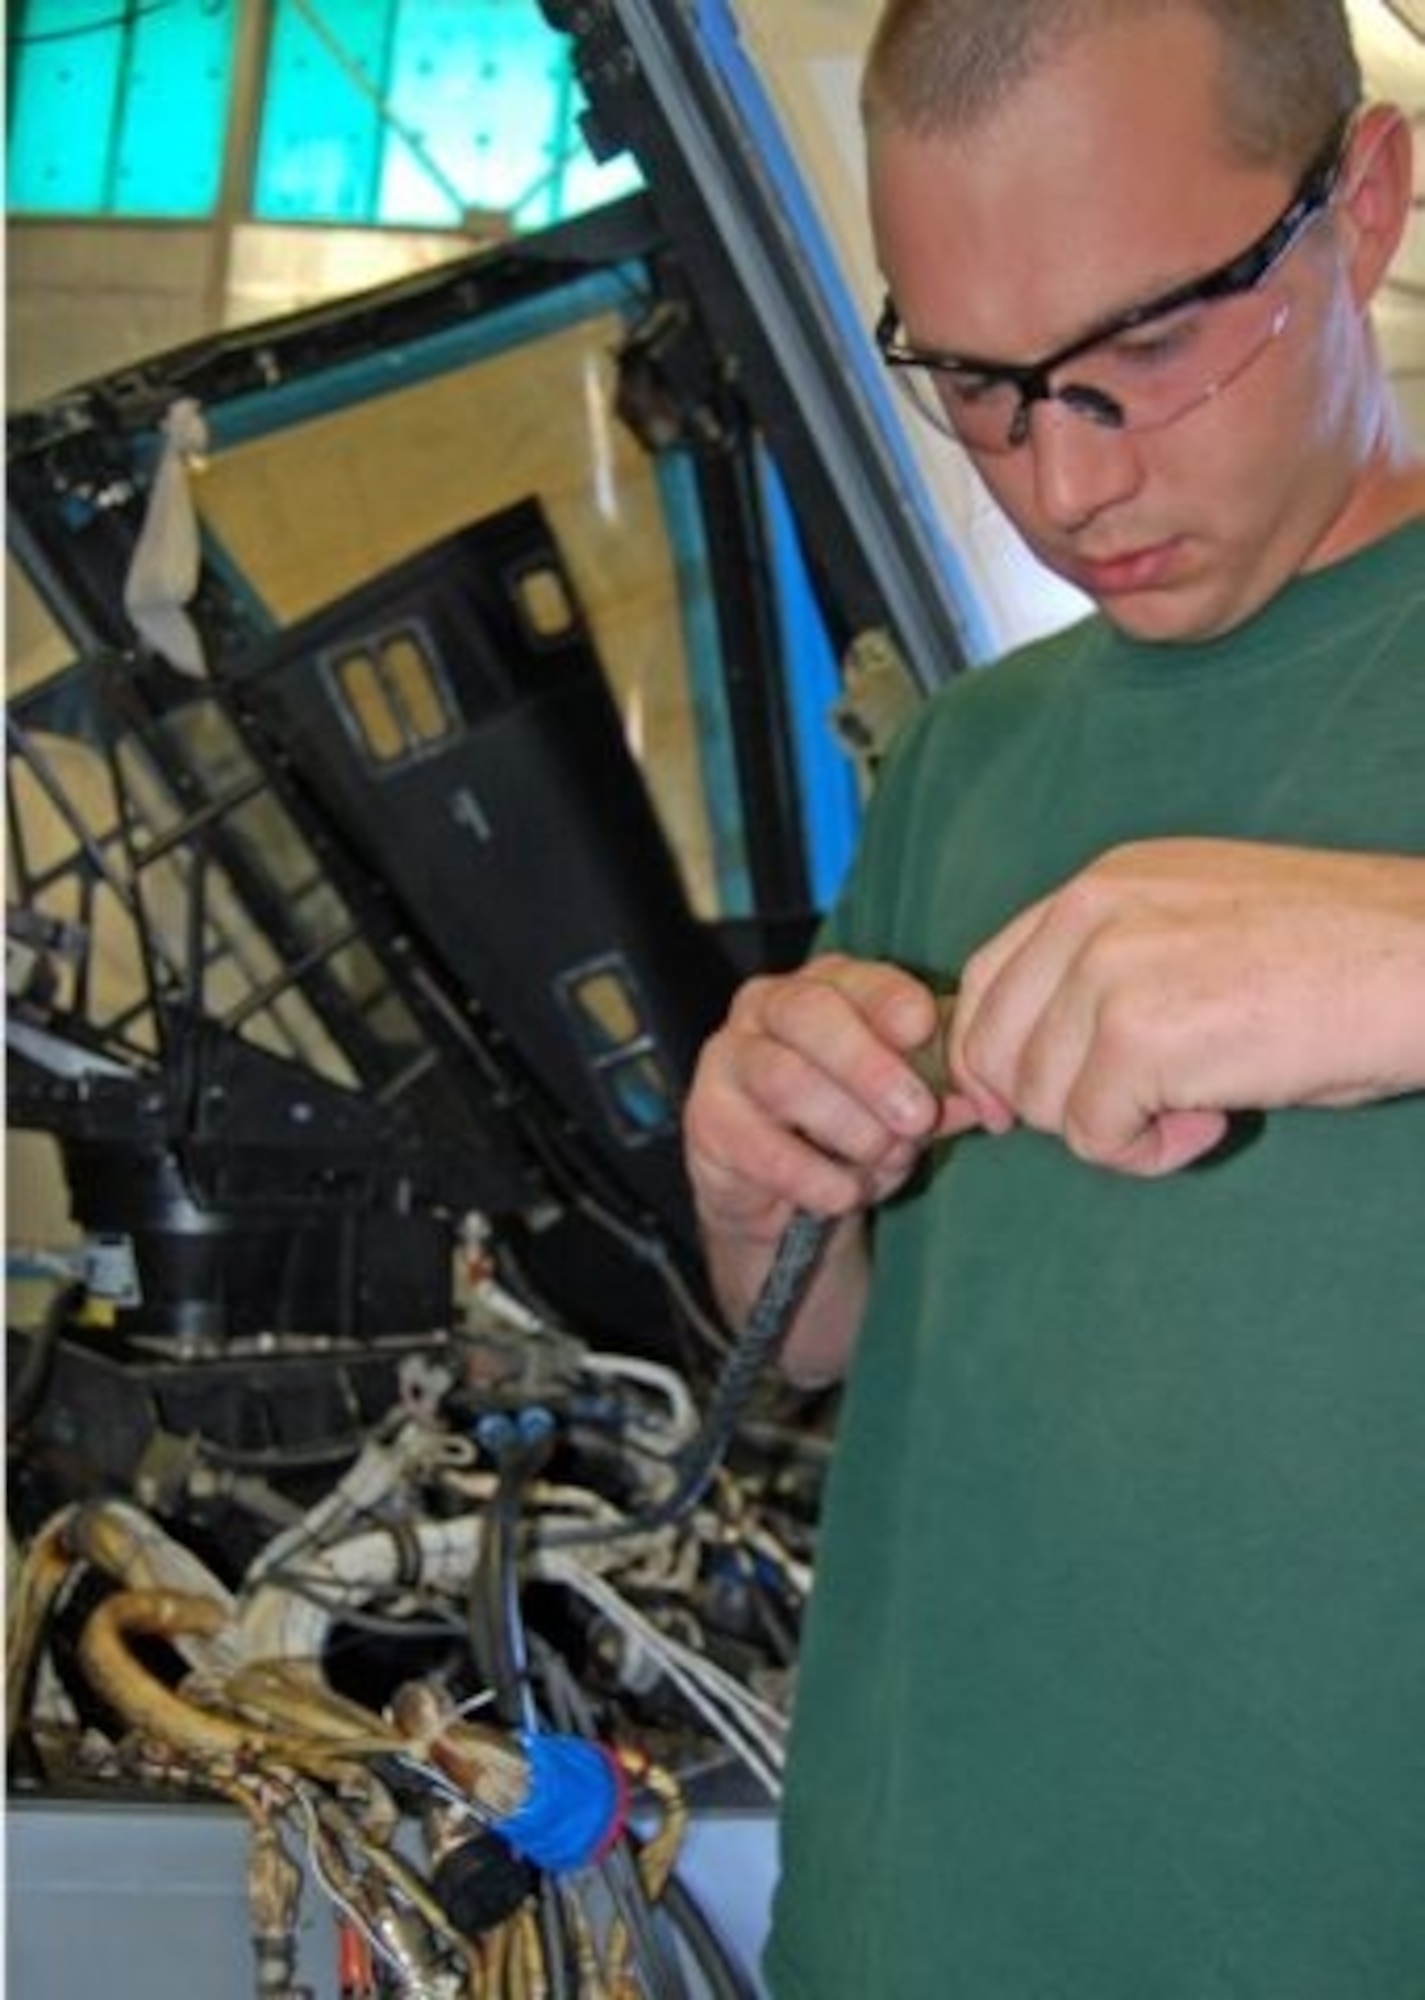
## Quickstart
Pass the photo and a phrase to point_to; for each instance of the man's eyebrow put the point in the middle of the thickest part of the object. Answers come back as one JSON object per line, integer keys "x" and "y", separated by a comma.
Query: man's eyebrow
{"x": 1145, "y": 302}
{"x": 1149, "y": 298}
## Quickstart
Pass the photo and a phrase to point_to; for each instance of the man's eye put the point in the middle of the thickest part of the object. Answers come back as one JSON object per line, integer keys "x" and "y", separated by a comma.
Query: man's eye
{"x": 961, "y": 387}
{"x": 1158, "y": 342}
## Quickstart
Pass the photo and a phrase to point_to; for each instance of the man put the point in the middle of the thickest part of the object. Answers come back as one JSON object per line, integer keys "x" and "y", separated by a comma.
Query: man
{"x": 1114, "y": 1681}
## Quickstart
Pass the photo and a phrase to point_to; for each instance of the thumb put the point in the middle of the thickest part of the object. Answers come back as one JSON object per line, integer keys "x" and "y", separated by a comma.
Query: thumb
{"x": 1169, "y": 1142}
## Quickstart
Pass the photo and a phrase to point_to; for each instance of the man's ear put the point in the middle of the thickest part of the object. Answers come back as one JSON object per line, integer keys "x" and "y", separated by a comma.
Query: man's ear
{"x": 1377, "y": 188}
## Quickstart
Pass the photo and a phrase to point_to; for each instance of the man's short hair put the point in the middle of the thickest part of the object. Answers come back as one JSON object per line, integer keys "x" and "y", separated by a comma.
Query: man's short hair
{"x": 1290, "y": 69}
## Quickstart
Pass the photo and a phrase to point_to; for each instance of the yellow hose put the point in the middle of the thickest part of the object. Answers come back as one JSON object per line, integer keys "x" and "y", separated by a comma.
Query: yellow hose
{"x": 147, "y": 1705}
{"x": 45, "y": 1566}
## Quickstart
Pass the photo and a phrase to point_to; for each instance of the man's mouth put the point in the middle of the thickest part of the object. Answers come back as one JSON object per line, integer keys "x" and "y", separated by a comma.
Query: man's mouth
{"x": 1124, "y": 575}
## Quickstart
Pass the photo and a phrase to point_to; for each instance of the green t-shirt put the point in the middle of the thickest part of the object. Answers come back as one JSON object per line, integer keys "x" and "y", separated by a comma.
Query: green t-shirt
{"x": 1114, "y": 1679}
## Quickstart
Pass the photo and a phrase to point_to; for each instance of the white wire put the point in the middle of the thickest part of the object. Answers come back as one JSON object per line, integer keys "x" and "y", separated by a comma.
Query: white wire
{"x": 651, "y": 1375}
{"x": 753, "y": 1728}
{"x": 384, "y": 1467}
{"x": 276, "y": 1622}
{"x": 329, "y": 1888}
{"x": 798, "y": 1573}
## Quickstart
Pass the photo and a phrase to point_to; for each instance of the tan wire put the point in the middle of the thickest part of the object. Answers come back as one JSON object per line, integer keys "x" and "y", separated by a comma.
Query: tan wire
{"x": 43, "y": 1570}
{"x": 148, "y": 1705}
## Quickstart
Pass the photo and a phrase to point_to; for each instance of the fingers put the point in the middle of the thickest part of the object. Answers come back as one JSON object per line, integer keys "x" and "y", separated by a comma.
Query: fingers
{"x": 1015, "y": 1044}
{"x": 1092, "y": 1016}
{"x": 1166, "y": 987}
{"x": 837, "y": 1039}
{"x": 1164, "y": 1143}
{"x": 805, "y": 1097}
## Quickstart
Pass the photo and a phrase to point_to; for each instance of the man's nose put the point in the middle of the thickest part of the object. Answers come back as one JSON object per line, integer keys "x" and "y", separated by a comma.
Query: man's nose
{"x": 1080, "y": 466}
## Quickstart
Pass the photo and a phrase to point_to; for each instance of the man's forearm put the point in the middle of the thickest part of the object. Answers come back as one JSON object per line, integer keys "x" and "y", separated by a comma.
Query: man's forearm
{"x": 818, "y": 1347}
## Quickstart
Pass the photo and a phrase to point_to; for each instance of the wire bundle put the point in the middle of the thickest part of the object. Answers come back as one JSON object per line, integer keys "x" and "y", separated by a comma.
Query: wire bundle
{"x": 502, "y": 1822}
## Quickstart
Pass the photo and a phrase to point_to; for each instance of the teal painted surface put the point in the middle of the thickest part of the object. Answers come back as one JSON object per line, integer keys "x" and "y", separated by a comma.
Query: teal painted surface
{"x": 686, "y": 528}
{"x": 830, "y": 802}
{"x": 414, "y": 112}
{"x": 118, "y": 110}
{"x": 405, "y": 113}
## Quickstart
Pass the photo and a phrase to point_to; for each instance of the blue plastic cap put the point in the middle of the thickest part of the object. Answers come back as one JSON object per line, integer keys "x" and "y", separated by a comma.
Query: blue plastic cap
{"x": 574, "y": 1809}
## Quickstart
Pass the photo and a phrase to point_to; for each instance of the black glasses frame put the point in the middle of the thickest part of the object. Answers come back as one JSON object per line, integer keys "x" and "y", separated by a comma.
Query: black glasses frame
{"x": 1242, "y": 273}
